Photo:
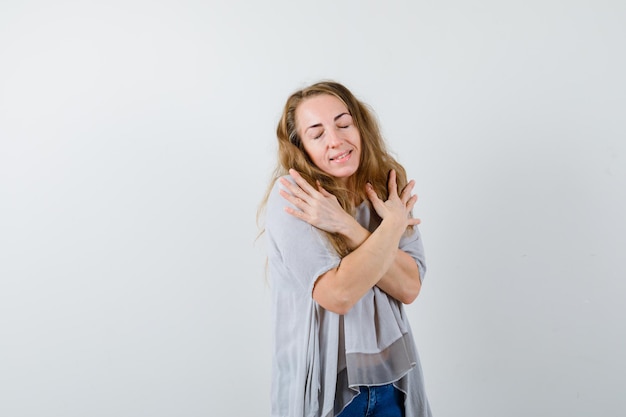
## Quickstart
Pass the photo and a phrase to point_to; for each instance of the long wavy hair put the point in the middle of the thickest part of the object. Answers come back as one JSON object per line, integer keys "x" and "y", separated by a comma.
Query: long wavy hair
{"x": 374, "y": 165}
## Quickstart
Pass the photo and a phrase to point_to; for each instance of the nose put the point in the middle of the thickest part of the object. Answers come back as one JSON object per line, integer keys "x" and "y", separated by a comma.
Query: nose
{"x": 334, "y": 138}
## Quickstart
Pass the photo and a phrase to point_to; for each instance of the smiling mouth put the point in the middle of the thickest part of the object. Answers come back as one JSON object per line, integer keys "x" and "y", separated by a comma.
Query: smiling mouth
{"x": 342, "y": 156}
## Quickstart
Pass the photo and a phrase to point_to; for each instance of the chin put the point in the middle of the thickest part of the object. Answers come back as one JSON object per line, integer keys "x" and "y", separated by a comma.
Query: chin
{"x": 343, "y": 175}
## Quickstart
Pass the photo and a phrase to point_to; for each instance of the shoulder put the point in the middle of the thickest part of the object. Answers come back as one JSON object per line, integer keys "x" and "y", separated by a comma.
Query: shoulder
{"x": 274, "y": 196}
{"x": 278, "y": 184}
{"x": 275, "y": 211}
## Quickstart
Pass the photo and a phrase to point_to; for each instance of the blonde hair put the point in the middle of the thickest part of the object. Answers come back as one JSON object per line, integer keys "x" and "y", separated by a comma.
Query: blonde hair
{"x": 374, "y": 165}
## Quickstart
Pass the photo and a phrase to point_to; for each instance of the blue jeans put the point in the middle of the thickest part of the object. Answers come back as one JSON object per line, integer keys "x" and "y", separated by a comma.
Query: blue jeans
{"x": 381, "y": 401}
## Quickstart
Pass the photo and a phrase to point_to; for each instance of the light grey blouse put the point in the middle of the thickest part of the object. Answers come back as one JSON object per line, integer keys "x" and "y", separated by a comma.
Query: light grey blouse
{"x": 320, "y": 358}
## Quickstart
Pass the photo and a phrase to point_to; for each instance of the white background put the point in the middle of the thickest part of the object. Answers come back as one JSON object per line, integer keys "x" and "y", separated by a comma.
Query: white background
{"x": 137, "y": 139}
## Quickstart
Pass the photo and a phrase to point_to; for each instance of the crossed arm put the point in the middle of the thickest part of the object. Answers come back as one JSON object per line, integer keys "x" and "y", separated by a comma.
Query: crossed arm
{"x": 375, "y": 259}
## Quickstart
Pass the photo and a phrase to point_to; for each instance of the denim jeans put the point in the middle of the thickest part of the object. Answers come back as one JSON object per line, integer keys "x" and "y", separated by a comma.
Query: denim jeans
{"x": 381, "y": 401}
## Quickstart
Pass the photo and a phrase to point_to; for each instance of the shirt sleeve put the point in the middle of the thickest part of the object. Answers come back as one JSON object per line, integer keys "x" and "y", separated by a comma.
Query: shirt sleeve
{"x": 297, "y": 251}
{"x": 412, "y": 244}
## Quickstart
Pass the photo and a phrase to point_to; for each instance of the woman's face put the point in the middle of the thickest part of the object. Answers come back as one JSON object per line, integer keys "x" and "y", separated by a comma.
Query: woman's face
{"x": 329, "y": 136}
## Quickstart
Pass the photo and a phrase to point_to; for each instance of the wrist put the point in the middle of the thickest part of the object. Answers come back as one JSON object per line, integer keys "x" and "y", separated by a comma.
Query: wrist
{"x": 354, "y": 233}
{"x": 397, "y": 228}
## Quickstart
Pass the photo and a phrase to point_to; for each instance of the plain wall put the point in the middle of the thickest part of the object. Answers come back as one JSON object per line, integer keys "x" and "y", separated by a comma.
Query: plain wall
{"x": 137, "y": 139}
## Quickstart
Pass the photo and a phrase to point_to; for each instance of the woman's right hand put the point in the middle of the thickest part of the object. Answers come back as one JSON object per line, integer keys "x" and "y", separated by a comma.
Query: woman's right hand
{"x": 317, "y": 207}
{"x": 397, "y": 208}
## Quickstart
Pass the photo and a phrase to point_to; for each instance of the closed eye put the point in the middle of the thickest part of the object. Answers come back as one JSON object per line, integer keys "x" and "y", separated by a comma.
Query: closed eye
{"x": 343, "y": 121}
{"x": 319, "y": 135}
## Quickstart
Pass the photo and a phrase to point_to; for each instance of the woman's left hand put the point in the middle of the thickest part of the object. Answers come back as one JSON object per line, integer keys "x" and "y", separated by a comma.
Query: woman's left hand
{"x": 317, "y": 207}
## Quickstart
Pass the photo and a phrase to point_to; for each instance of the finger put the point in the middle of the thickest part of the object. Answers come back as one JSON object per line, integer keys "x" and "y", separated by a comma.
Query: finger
{"x": 296, "y": 213}
{"x": 295, "y": 189}
{"x": 411, "y": 203}
{"x": 392, "y": 184}
{"x": 296, "y": 201}
{"x": 369, "y": 190}
{"x": 322, "y": 190}
{"x": 409, "y": 186}
{"x": 304, "y": 185}
{"x": 414, "y": 222}
{"x": 406, "y": 191}
{"x": 373, "y": 197}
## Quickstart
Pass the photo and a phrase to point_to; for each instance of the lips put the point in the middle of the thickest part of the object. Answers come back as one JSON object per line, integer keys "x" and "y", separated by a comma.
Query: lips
{"x": 341, "y": 156}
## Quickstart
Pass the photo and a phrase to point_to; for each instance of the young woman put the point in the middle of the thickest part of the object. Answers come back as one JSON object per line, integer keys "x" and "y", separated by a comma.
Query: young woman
{"x": 344, "y": 254}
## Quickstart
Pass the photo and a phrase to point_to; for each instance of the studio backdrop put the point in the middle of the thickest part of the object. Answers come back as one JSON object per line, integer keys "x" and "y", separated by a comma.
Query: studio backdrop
{"x": 137, "y": 139}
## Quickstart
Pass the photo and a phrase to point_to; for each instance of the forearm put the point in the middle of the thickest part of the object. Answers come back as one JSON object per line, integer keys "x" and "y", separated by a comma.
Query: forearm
{"x": 354, "y": 233}
{"x": 402, "y": 279}
{"x": 339, "y": 289}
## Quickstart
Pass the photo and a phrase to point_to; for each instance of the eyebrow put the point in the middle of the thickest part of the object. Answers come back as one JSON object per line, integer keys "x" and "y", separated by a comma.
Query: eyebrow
{"x": 339, "y": 116}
